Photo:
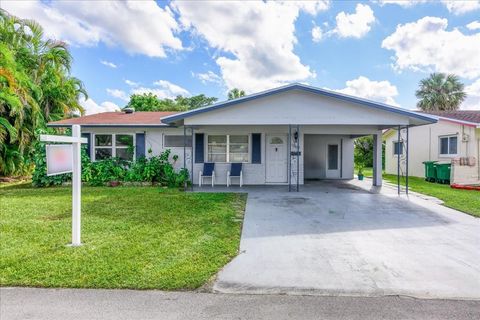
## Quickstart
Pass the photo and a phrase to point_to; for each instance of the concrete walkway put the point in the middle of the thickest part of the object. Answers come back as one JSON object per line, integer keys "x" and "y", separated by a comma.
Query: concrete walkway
{"x": 61, "y": 304}
{"x": 342, "y": 239}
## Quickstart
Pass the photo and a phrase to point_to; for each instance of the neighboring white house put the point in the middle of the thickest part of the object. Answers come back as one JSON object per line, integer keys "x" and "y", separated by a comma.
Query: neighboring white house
{"x": 283, "y": 136}
{"x": 456, "y": 136}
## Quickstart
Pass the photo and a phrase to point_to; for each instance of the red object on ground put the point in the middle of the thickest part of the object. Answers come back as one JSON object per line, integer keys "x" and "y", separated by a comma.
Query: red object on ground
{"x": 458, "y": 186}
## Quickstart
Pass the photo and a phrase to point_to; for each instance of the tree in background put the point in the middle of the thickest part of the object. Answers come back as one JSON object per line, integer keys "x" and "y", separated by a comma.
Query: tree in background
{"x": 35, "y": 87}
{"x": 440, "y": 92}
{"x": 235, "y": 93}
{"x": 150, "y": 102}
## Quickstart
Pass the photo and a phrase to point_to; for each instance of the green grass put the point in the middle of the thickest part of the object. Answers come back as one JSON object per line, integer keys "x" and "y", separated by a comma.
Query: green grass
{"x": 133, "y": 237}
{"x": 467, "y": 201}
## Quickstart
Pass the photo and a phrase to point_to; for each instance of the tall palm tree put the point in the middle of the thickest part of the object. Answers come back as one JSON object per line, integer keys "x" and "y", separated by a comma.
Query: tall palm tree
{"x": 235, "y": 93}
{"x": 35, "y": 87}
{"x": 440, "y": 92}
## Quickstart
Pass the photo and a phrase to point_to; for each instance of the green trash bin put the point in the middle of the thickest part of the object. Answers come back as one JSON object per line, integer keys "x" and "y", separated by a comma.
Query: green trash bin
{"x": 430, "y": 171}
{"x": 443, "y": 172}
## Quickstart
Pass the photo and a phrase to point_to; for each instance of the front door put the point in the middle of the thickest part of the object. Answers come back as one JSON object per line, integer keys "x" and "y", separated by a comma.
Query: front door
{"x": 333, "y": 161}
{"x": 276, "y": 158}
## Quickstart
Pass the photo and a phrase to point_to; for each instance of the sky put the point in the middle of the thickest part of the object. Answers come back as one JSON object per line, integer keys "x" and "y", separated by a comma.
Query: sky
{"x": 377, "y": 49}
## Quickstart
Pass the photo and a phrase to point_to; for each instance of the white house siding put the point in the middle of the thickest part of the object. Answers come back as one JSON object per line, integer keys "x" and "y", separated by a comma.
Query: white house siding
{"x": 424, "y": 146}
{"x": 254, "y": 174}
{"x": 297, "y": 107}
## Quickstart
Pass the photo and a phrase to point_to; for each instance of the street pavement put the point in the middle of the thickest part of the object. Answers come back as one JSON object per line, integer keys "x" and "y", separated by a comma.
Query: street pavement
{"x": 52, "y": 304}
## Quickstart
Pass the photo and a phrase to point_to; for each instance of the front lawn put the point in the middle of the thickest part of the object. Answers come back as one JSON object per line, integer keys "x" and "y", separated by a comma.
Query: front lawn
{"x": 467, "y": 201}
{"x": 133, "y": 237}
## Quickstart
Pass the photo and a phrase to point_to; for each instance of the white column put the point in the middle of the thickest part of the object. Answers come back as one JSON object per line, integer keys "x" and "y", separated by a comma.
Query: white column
{"x": 377, "y": 159}
{"x": 76, "y": 185}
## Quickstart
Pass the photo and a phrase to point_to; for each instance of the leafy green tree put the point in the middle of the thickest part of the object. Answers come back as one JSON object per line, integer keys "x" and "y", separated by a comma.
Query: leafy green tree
{"x": 35, "y": 87}
{"x": 235, "y": 93}
{"x": 150, "y": 102}
{"x": 440, "y": 92}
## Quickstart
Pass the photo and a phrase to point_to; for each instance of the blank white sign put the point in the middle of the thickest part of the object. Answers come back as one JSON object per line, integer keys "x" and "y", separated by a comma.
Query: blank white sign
{"x": 59, "y": 159}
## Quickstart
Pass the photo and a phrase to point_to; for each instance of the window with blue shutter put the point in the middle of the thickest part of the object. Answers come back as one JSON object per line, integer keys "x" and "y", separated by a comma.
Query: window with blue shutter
{"x": 139, "y": 145}
{"x": 256, "y": 148}
{"x": 199, "y": 147}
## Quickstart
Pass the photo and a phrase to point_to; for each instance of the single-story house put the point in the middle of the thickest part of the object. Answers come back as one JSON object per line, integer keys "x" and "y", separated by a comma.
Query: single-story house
{"x": 454, "y": 138}
{"x": 286, "y": 135}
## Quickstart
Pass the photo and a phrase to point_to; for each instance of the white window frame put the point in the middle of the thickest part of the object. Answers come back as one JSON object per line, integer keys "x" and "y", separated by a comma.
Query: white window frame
{"x": 447, "y": 155}
{"x": 249, "y": 152}
{"x": 393, "y": 148}
{"x": 114, "y": 144}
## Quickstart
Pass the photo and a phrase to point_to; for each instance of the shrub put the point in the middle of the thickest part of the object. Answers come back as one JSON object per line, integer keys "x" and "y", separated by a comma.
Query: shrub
{"x": 154, "y": 169}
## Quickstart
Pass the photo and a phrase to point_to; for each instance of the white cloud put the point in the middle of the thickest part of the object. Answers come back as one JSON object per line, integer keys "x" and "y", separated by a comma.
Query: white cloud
{"x": 355, "y": 25}
{"x": 162, "y": 89}
{"x": 402, "y": 3}
{"x": 473, "y": 96}
{"x": 140, "y": 27}
{"x": 108, "y": 64}
{"x": 426, "y": 45}
{"x": 91, "y": 107}
{"x": 132, "y": 83}
{"x": 207, "y": 77}
{"x": 120, "y": 94}
{"x": 460, "y": 7}
{"x": 474, "y": 25}
{"x": 255, "y": 39}
{"x": 380, "y": 91}
{"x": 317, "y": 34}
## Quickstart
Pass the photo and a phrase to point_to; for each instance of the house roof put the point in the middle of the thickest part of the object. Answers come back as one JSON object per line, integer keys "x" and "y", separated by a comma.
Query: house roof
{"x": 116, "y": 119}
{"x": 297, "y": 86}
{"x": 472, "y": 116}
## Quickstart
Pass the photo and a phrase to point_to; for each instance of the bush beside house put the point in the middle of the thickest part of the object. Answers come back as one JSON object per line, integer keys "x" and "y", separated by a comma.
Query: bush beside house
{"x": 153, "y": 170}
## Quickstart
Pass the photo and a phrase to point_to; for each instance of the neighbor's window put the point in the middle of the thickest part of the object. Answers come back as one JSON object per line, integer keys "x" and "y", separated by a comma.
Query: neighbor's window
{"x": 448, "y": 145}
{"x": 177, "y": 141}
{"x": 228, "y": 148}
{"x": 397, "y": 148}
{"x": 113, "y": 145}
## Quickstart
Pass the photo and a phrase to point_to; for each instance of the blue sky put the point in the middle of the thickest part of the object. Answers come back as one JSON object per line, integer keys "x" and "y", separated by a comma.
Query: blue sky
{"x": 375, "y": 49}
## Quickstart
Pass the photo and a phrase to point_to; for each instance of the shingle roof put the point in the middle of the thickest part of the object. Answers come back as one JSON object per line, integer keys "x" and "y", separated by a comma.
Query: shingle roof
{"x": 463, "y": 115}
{"x": 139, "y": 118}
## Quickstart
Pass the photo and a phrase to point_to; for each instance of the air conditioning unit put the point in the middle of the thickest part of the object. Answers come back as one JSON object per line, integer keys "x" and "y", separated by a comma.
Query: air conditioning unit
{"x": 465, "y": 137}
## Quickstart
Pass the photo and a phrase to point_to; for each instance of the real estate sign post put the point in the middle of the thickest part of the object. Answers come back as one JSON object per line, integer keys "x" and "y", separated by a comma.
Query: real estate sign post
{"x": 63, "y": 158}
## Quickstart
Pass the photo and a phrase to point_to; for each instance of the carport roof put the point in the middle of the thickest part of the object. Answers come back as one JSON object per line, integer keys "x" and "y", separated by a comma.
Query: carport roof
{"x": 298, "y": 86}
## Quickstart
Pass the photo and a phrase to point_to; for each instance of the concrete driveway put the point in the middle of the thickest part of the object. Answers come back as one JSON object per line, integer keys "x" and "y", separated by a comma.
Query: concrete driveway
{"x": 340, "y": 239}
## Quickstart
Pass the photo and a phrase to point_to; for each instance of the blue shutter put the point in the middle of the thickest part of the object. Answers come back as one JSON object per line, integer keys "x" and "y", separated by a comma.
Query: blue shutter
{"x": 140, "y": 145}
{"x": 199, "y": 147}
{"x": 256, "y": 148}
{"x": 89, "y": 144}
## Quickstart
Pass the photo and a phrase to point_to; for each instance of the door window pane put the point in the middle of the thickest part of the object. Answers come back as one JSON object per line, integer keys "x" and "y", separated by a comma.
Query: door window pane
{"x": 332, "y": 157}
{"x": 103, "y": 153}
{"x": 276, "y": 140}
{"x": 103, "y": 140}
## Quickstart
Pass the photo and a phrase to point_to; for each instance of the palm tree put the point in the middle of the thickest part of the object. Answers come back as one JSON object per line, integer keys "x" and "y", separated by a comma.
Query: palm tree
{"x": 440, "y": 92}
{"x": 235, "y": 93}
{"x": 35, "y": 87}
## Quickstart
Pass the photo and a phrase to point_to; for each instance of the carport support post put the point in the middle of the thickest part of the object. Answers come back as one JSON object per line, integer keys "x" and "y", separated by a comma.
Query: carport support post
{"x": 191, "y": 159}
{"x": 185, "y": 153}
{"x": 398, "y": 160}
{"x": 298, "y": 157}
{"x": 377, "y": 159}
{"x": 406, "y": 155}
{"x": 289, "y": 163}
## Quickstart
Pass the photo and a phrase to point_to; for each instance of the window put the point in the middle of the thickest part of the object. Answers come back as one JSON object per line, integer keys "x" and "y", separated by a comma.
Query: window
{"x": 113, "y": 145}
{"x": 176, "y": 141}
{"x": 228, "y": 148}
{"x": 397, "y": 148}
{"x": 448, "y": 145}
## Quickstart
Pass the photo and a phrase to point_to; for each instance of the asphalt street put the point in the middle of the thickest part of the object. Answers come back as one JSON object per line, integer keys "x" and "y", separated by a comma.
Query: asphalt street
{"x": 52, "y": 304}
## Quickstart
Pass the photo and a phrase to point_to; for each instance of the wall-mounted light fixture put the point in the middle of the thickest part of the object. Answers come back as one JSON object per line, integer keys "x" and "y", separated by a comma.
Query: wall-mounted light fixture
{"x": 295, "y": 136}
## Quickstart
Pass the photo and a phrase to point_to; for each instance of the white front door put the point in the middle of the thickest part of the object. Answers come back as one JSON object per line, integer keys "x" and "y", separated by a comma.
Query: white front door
{"x": 276, "y": 158}
{"x": 333, "y": 161}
